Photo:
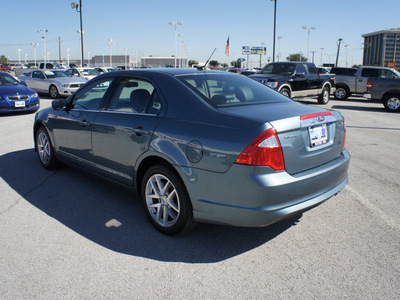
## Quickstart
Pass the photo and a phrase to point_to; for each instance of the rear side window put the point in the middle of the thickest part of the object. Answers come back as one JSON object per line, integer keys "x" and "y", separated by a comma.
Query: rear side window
{"x": 136, "y": 96}
{"x": 222, "y": 90}
{"x": 366, "y": 72}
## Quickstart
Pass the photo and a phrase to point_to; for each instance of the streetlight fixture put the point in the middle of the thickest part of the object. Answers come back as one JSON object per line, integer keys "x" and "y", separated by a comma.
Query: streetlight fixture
{"x": 44, "y": 42}
{"x": 308, "y": 41}
{"x": 88, "y": 54}
{"x": 78, "y": 8}
{"x": 175, "y": 23}
{"x": 273, "y": 51}
{"x": 110, "y": 43}
{"x": 34, "y": 51}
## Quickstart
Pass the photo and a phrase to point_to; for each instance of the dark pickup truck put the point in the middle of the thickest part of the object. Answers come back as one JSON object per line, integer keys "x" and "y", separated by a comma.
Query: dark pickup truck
{"x": 297, "y": 79}
{"x": 385, "y": 90}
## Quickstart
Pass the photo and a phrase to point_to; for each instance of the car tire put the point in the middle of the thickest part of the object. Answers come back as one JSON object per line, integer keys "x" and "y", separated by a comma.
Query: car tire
{"x": 341, "y": 93}
{"x": 391, "y": 102}
{"x": 324, "y": 97}
{"x": 166, "y": 201}
{"x": 45, "y": 150}
{"x": 53, "y": 91}
{"x": 285, "y": 92}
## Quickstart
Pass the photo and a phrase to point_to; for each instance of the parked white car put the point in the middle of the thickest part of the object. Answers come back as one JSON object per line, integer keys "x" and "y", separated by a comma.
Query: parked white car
{"x": 54, "y": 82}
{"x": 102, "y": 70}
{"x": 86, "y": 73}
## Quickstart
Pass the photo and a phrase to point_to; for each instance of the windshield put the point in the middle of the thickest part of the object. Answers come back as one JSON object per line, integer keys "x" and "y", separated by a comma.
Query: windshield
{"x": 222, "y": 90}
{"x": 279, "y": 69}
{"x": 6, "y": 79}
{"x": 89, "y": 72}
{"x": 60, "y": 74}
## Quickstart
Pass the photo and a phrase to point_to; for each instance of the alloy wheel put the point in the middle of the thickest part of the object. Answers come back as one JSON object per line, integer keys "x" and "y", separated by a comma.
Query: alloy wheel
{"x": 162, "y": 200}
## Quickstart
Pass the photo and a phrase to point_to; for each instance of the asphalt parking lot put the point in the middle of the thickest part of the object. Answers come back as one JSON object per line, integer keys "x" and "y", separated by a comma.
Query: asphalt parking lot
{"x": 67, "y": 235}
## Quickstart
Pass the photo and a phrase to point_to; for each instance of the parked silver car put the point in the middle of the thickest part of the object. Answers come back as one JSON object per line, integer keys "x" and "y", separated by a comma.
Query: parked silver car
{"x": 85, "y": 73}
{"x": 54, "y": 82}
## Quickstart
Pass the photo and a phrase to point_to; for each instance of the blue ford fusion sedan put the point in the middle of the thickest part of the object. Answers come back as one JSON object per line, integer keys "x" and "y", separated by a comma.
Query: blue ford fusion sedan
{"x": 198, "y": 146}
{"x": 15, "y": 97}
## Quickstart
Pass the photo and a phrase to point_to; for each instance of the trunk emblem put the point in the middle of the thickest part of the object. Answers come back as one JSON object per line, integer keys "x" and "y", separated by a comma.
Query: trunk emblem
{"x": 320, "y": 118}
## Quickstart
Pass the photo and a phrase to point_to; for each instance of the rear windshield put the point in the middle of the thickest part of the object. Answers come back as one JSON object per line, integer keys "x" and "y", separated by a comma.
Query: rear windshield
{"x": 222, "y": 90}
{"x": 344, "y": 71}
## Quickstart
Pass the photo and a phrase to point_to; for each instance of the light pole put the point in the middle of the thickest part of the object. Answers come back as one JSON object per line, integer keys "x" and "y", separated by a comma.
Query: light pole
{"x": 126, "y": 49}
{"x": 321, "y": 56}
{"x": 78, "y": 8}
{"x": 279, "y": 46}
{"x": 88, "y": 55}
{"x": 347, "y": 48}
{"x": 175, "y": 23}
{"x": 273, "y": 48}
{"x": 338, "y": 50}
{"x": 19, "y": 56}
{"x": 26, "y": 57}
{"x": 34, "y": 51}
{"x": 68, "y": 57}
{"x": 308, "y": 41}
{"x": 180, "y": 50}
{"x": 110, "y": 43}
{"x": 44, "y": 42}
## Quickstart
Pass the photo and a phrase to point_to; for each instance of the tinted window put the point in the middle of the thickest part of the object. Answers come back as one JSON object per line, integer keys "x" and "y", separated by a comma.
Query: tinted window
{"x": 366, "y": 72}
{"x": 312, "y": 69}
{"x": 91, "y": 96}
{"x": 6, "y": 79}
{"x": 38, "y": 74}
{"x": 135, "y": 95}
{"x": 344, "y": 71}
{"x": 279, "y": 68}
{"x": 230, "y": 90}
{"x": 300, "y": 69}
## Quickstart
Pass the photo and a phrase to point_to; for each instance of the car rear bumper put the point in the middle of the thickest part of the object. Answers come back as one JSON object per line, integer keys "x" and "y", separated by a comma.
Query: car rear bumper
{"x": 258, "y": 198}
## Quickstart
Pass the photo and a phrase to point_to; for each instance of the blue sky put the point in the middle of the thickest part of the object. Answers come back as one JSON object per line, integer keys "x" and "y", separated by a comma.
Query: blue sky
{"x": 142, "y": 27}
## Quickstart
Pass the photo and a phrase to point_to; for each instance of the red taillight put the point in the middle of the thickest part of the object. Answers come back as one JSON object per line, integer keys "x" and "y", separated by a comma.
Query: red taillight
{"x": 265, "y": 150}
{"x": 369, "y": 85}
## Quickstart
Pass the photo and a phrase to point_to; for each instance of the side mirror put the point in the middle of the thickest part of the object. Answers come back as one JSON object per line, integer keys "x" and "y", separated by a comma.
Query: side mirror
{"x": 23, "y": 83}
{"x": 59, "y": 104}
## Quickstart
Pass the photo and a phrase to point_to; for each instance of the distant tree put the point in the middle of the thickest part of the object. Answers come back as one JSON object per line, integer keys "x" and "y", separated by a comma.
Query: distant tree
{"x": 224, "y": 65}
{"x": 3, "y": 60}
{"x": 214, "y": 63}
{"x": 236, "y": 64}
{"x": 193, "y": 62}
{"x": 356, "y": 66}
{"x": 296, "y": 57}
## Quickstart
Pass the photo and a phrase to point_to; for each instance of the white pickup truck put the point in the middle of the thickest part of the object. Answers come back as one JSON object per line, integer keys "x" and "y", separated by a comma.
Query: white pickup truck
{"x": 357, "y": 83}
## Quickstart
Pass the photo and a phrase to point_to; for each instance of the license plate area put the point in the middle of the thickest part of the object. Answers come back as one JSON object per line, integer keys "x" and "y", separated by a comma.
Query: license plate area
{"x": 318, "y": 135}
{"x": 19, "y": 103}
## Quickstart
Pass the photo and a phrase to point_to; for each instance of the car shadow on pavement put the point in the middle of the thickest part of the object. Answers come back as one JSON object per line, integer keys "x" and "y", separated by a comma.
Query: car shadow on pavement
{"x": 113, "y": 217}
{"x": 360, "y": 108}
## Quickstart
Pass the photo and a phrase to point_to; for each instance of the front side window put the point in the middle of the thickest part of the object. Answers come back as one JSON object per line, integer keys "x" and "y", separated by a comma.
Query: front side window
{"x": 225, "y": 90}
{"x": 388, "y": 74}
{"x": 38, "y": 74}
{"x": 136, "y": 96}
{"x": 279, "y": 68}
{"x": 91, "y": 97}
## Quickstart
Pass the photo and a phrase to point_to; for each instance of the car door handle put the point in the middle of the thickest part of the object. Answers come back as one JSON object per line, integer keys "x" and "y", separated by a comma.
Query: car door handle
{"x": 84, "y": 123}
{"x": 360, "y": 80}
{"x": 140, "y": 131}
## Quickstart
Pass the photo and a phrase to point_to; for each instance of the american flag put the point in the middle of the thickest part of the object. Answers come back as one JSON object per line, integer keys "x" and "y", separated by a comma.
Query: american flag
{"x": 227, "y": 48}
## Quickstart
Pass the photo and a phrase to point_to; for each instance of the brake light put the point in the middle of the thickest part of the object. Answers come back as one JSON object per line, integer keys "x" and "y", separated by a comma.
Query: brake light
{"x": 311, "y": 116}
{"x": 265, "y": 150}
{"x": 369, "y": 85}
